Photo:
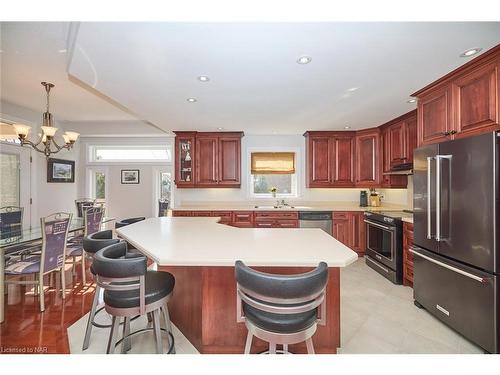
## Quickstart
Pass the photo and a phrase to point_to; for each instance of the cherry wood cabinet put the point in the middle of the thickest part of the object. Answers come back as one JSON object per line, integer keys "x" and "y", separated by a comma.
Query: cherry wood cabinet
{"x": 463, "y": 103}
{"x": 272, "y": 219}
{"x": 397, "y": 143}
{"x": 407, "y": 255}
{"x": 243, "y": 219}
{"x": 179, "y": 213}
{"x": 367, "y": 158}
{"x": 208, "y": 159}
{"x": 411, "y": 136}
{"x": 349, "y": 228}
{"x": 341, "y": 227}
{"x": 330, "y": 159}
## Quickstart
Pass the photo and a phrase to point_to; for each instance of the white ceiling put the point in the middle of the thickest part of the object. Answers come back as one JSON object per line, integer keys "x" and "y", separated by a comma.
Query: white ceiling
{"x": 33, "y": 52}
{"x": 255, "y": 83}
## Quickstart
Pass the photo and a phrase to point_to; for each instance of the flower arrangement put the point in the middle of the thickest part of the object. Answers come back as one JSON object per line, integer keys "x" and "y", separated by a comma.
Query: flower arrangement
{"x": 273, "y": 191}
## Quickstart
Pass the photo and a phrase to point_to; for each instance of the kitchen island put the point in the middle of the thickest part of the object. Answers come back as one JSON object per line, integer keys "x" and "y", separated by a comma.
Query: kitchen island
{"x": 201, "y": 253}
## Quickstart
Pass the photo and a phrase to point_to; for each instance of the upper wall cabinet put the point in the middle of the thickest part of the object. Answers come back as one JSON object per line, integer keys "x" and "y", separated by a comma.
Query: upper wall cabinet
{"x": 214, "y": 159}
{"x": 330, "y": 159}
{"x": 463, "y": 103}
{"x": 367, "y": 157}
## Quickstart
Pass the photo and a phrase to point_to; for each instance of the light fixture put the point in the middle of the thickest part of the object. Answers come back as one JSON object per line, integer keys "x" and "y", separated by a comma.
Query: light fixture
{"x": 413, "y": 100}
{"x": 62, "y": 50}
{"x": 470, "y": 52}
{"x": 304, "y": 60}
{"x": 48, "y": 132}
{"x": 352, "y": 89}
{"x": 191, "y": 100}
{"x": 347, "y": 127}
{"x": 203, "y": 79}
{"x": 219, "y": 128}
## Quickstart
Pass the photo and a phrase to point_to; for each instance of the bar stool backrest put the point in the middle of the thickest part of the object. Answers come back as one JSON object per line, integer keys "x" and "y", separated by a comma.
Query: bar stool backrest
{"x": 11, "y": 221}
{"x": 54, "y": 236}
{"x": 125, "y": 222}
{"x": 93, "y": 218}
{"x": 282, "y": 294}
{"x": 117, "y": 270}
{"x": 98, "y": 240}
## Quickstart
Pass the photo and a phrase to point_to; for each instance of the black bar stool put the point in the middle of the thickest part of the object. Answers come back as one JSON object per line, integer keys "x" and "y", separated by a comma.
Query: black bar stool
{"x": 281, "y": 309}
{"x": 129, "y": 221}
{"x": 91, "y": 245}
{"x": 130, "y": 290}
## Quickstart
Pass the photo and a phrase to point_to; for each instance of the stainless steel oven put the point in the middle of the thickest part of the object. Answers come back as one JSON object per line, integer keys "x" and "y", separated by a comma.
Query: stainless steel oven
{"x": 384, "y": 244}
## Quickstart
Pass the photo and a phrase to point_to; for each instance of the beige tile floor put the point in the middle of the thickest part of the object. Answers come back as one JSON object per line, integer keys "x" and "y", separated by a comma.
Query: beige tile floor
{"x": 376, "y": 317}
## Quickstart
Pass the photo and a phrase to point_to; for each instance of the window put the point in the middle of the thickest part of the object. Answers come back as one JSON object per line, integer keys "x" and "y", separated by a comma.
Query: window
{"x": 273, "y": 170}
{"x": 165, "y": 185}
{"x": 9, "y": 180}
{"x": 100, "y": 185}
{"x": 130, "y": 153}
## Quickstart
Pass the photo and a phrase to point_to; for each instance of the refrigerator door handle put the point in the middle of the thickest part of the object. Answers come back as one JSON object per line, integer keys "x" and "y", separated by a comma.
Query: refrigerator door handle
{"x": 429, "y": 216}
{"x": 438, "y": 198}
{"x": 447, "y": 266}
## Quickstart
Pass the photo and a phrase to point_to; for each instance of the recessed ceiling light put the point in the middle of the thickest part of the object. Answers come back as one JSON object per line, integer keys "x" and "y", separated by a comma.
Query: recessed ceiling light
{"x": 411, "y": 100}
{"x": 347, "y": 127}
{"x": 470, "y": 52}
{"x": 203, "y": 79}
{"x": 304, "y": 60}
{"x": 63, "y": 50}
{"x": 352, "y": 89}
{"x": 219, "y": 128}
{"x": 191, "y": 100}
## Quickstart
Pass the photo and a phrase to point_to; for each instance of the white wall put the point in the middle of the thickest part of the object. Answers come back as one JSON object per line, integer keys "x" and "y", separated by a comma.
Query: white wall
{"x": 47, "y": 197}
{"x": 125, "y": 200}
{"x": 294, "y": 143}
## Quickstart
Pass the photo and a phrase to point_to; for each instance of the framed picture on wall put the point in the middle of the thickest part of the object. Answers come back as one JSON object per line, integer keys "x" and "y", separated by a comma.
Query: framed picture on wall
{"x": 59, "y": 170}
{"x": 130, "y": 176}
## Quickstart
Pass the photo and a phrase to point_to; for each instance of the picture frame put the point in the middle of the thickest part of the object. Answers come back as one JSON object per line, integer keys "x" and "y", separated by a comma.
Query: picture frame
{"x": 130, "y": 176}
{"x": 60, "y": 170}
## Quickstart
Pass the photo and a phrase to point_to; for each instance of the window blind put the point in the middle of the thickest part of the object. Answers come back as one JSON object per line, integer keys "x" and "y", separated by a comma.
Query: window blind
{"x": 273, "y": 163}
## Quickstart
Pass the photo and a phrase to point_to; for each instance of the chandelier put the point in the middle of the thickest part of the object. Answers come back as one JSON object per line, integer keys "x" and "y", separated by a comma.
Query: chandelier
{"x": 46, "y": 139}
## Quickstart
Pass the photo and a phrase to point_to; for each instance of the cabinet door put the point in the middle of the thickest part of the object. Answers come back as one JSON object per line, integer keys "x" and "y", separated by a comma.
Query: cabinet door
{"x": 434, "y": 117}
{"x": 343, "y": 155}
{"x": 397, "y": 146}
{"x": 367, "y": 158}
{"x": 475, "y": 102}
{"x": 202, "y": 213}
{"x": 229, "y": 161}
{"x": 177, "y": 213}
{"x": 341, "y": 227}
{"x": 243, "y": 219}
{"x": 319, "y": 161}
{"x": 411, "y": 138}
{"x": 184, "y": 160}
{"x": 206, "y": 160}
{"x": 358, "y": 230}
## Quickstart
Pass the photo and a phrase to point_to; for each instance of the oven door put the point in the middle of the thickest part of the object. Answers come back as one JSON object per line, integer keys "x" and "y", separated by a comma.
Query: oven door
{"x": 381, "y": 243}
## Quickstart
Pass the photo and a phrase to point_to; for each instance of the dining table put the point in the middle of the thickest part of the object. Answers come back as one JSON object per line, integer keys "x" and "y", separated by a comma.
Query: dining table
{"x": 23, "y": 241}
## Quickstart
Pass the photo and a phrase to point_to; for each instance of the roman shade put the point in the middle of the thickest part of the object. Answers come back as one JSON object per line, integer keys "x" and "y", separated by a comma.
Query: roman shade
{"x": 273, "y": 163}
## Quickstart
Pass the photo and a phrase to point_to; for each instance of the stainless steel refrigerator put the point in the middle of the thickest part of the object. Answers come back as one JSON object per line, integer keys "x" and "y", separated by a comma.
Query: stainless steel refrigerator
{"x": 456, "y": 253}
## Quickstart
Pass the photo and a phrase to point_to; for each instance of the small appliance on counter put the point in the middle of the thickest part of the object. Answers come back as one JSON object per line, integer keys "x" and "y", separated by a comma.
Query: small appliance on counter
{"x": 363, "y": 198}
{"x": 374, "y": 198}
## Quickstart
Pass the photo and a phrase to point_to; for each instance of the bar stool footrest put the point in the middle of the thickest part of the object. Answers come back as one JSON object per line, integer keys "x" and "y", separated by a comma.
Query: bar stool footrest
{"x": 99, "y": 325}
{"x": 171, "y": 336}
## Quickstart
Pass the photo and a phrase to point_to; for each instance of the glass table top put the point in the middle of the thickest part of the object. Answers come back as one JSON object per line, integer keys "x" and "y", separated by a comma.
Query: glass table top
{"x": 35, "y": 233}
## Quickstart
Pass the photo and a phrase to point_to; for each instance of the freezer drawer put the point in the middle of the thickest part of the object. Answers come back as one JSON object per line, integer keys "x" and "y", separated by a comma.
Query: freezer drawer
{"x": 462, "y": 297}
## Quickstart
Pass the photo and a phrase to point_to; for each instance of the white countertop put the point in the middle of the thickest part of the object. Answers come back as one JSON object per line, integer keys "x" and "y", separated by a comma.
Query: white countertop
{"x": 298, "y": 206}
{"x": 201, "y": 241}
{"x": 408, "y": 219}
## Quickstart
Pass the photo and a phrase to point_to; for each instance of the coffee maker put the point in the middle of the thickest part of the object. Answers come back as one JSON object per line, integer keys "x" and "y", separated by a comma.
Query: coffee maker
{"x": 363, "y": 198}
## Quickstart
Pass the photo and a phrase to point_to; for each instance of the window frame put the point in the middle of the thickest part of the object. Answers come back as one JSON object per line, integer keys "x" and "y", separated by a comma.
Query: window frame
{"x": 296, "y": 193}
{"x": 92, "y": 151}
{"x": 90, "y": 182}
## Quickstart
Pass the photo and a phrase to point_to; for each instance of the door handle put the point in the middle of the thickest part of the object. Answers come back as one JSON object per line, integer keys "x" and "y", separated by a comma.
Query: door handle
{"x": 369, "y": 222}
{"x": 447, "y": 266}
{"x": 429, "y": 216}
{"x": 439, "y": 158}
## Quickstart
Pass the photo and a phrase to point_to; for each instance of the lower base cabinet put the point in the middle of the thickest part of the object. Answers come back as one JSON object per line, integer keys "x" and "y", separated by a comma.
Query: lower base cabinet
{"x": 407, "y": 255}
{"x": 349, "y": 228}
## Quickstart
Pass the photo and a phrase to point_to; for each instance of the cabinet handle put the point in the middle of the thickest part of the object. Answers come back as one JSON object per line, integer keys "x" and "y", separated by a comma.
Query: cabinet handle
{"x": 453, "y": 132}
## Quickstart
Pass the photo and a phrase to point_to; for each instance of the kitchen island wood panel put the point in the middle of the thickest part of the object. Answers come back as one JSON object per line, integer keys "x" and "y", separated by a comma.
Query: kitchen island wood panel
{"x": 203, "y": 307}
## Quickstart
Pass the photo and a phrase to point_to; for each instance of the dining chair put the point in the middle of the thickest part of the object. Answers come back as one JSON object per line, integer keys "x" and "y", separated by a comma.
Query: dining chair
{"x": 82, "y": 204}
{"x": 92, "y": 219}
{"x": 11, "y": 221}
{"x": 55, "y": 229}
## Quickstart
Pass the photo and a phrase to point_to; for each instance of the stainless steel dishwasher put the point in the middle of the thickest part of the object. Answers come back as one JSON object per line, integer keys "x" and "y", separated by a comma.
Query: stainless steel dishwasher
{"x": 316, "y": 219}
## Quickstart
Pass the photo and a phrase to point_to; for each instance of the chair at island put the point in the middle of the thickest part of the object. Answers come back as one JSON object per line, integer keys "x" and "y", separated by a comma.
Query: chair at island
{"x": 51, "y": 258}
{"x": 91, "y": 245}
{"x": 125, "y": 222}
{"x": 281, "y": 309}
{"x": 129, "y": 290}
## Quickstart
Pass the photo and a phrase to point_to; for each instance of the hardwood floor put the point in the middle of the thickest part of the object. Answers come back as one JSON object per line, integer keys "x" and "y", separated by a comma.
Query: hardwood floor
{"x": 27, "y": 330}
